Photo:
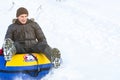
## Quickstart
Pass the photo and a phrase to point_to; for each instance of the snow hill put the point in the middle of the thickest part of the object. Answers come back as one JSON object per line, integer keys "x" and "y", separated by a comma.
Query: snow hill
{"x": 86, "y": 31}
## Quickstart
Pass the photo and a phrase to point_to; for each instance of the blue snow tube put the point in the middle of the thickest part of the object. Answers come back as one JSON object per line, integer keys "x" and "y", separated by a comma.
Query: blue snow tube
{"x": 25, "y": 66}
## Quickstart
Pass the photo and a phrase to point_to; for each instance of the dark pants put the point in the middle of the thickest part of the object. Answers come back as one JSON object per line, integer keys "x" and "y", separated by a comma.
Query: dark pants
{"x": 43, "y": 48}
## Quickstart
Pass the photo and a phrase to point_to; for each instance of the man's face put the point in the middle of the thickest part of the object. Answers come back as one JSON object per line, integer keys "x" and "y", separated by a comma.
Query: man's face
{"x": 23, "y": 18}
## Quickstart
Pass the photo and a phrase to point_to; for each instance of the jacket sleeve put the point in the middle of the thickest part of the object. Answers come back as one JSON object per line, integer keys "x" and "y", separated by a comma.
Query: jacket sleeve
{"x": 9, "y": 32}
{"x": 39, "y": 34}
{"x": 42, "y": 43}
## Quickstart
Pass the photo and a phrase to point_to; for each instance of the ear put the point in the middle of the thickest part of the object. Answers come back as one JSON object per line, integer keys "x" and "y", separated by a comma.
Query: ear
{"x": 13, "y": 21}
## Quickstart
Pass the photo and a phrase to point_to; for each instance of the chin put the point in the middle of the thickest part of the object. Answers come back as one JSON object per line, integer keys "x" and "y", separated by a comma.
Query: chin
{"x": 23, "y": 22}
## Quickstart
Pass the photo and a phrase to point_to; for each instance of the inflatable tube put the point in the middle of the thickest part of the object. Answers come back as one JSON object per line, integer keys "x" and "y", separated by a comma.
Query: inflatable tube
{"x": 25, "y": 66}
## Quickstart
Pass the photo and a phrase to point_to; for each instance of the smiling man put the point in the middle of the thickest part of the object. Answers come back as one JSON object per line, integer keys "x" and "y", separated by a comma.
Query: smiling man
{"x": 28, "y": 37}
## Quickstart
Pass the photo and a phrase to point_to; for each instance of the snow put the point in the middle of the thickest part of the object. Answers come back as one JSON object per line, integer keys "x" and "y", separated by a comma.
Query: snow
{"x": 87, "y": 32}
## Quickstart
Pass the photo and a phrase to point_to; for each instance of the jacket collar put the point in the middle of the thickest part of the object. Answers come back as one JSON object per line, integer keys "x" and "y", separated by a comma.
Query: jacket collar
{"x": 19, "y": 23}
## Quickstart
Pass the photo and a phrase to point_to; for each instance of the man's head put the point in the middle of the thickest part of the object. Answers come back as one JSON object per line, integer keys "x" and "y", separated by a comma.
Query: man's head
{"x": 22, "y": 15}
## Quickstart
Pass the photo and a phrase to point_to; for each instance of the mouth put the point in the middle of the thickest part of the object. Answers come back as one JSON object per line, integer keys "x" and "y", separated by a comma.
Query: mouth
{"x": 23, "y": 22}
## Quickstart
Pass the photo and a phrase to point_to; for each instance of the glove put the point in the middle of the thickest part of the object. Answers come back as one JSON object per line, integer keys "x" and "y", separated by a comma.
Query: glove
{"x": 1, "y": 51}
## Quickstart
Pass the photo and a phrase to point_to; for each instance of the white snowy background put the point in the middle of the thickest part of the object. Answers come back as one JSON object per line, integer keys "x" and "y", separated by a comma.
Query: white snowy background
{"x": 87, "y": 32}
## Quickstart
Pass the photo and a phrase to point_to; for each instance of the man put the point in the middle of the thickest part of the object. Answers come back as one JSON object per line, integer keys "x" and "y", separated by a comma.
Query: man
{"x": 28, "y": 37}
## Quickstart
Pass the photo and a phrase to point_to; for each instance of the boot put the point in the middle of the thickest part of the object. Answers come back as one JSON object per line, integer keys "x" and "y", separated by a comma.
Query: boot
{"x": 55, "y": 57}
{"x": 8, "y": 49}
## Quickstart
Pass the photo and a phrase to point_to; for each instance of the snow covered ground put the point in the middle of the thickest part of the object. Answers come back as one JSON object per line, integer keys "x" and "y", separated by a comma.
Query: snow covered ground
{"x": 86, "y": 31}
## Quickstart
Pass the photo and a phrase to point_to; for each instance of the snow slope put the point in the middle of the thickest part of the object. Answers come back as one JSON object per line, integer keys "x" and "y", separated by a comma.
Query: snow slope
{"x": 86, "y": 31}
